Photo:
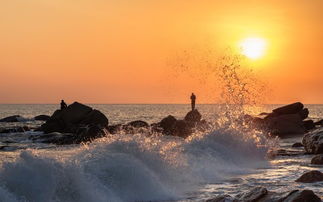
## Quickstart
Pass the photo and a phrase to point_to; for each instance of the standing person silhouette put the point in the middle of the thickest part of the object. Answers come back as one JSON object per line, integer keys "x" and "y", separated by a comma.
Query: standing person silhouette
{"x": 63, "y": 105}
{"x": 193, "y": 98}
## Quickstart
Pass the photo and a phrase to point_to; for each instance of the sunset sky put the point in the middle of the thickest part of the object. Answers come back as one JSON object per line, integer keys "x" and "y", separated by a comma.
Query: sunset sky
{"x": 118, "y": 51}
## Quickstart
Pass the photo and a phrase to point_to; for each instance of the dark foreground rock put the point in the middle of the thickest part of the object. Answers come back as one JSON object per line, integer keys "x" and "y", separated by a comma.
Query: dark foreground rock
{"x": 14, "y": 118}
{"x": 42, "y": 118}
{"x": 261, "y": 194}
{"x": 311, "y": 176}
{"x": 318, "y": 159}
{"x": 80, "y": 120}
{"x": 313, "y": 141}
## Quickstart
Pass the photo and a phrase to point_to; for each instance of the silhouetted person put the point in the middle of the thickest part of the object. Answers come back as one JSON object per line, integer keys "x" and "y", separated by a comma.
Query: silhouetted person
{"x": 193, "y": 98}
{"x": 63, "y": 105}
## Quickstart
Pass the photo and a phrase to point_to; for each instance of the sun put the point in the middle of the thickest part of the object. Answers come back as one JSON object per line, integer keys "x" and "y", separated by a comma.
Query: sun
{"x": 253, "y": 48}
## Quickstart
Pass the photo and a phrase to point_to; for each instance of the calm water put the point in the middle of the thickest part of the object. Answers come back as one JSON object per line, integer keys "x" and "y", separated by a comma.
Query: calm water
{"x": 137, "y": 168}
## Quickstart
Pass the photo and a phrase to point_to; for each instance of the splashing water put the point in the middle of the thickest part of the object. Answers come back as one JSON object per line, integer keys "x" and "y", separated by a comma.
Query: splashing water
{"x": 130, "y": 167}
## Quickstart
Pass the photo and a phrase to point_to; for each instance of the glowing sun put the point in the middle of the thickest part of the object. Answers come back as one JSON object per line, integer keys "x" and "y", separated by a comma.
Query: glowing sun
{"x": 253, "y": 48}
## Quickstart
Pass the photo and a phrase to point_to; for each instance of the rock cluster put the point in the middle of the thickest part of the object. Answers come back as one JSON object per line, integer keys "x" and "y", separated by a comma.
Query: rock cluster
{"x": 285, "y": 120}
{"x": 261, "y": 194}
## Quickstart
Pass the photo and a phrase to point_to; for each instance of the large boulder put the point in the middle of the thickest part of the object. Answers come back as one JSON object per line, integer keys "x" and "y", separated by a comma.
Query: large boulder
{"x": 289, "y": 109}
{"x": 81, "y": 120}
{"x": 318, "y": 159}
{"x": 313, "y": 141}
{"x": 311, "y": 176}
{"x": 14, "y": 118}
{"x": 285, "y": 124}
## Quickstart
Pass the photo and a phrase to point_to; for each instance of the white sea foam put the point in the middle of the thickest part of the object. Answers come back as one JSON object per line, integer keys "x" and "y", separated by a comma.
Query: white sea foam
{"x": 129, "y": 167}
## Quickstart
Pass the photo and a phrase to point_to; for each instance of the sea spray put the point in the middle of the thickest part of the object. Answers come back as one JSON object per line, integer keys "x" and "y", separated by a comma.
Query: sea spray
{"x": 131, "y": 167}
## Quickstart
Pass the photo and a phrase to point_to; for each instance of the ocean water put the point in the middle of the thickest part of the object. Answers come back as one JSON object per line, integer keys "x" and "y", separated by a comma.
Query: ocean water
{"x": 126, "y": 167}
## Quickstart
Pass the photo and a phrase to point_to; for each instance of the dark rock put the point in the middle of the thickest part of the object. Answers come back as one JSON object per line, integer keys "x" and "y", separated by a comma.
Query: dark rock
{"x": 313, "y": 141}
{"x": 289, "y": 109}
{"x": 78, "y": 119}
{"x": 301, "y": 196}
{"x": 193, "y": 116}
{"x": 318, "y": 159}
{"x": 309, "y": 124}
{"x": 304, "y": 113}
{"x": 42, "y": 118}
{"x": 182, "y": 129}
{"x": 311, "y": 176}
{"x": 221, "y": 198}
{"x": 14, "y": 118}
{"x": 285, "y": 124}
{"x": 167, "y": 124}
{"x": 138, "y": 124}
{"x": 297, "y": 144}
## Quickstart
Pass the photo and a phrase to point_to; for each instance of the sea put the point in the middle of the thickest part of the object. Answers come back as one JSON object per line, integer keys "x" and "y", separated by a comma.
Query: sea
{"x": 139, "y": 167}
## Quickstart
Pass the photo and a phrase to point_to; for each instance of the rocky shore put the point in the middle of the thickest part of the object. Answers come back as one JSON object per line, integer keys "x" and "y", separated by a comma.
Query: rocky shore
{"x": 79, "y": 123}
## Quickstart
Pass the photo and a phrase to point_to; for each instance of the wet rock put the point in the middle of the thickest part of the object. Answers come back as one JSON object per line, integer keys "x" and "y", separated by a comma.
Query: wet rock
{"x": 297, "y": 144}
{"x": 318, "y": 159}
{"x": 42, "y": 118}
{"x": 289, "y": 109}
{"x": 221, "y": 198}
{"x": 193, "y": 116}
{"x": 252, "y": 195}
{"x": 301, "y": 196}
{"x": 309, "y": 124}
{"x": 313, "y": 141}
{"x": 311, "y": 176}
{"x": 14, "y": 118}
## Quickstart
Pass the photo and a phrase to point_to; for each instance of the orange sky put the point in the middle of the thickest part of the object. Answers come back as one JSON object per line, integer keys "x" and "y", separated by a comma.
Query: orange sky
{"x": 109, "y": 51}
